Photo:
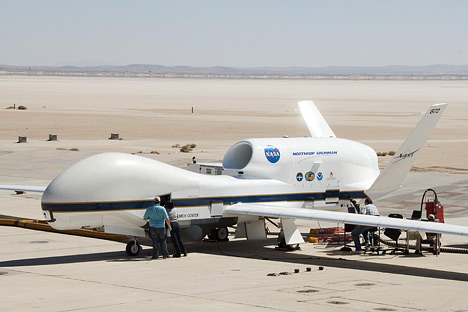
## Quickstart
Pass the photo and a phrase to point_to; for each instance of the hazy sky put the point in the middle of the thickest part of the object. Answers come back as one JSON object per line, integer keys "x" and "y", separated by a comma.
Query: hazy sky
{"x": 233, "y": 33}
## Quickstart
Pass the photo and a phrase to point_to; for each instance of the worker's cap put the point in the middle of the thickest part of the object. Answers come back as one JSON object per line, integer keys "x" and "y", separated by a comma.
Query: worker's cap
{"x": 431, "y": 217}
{"x": 157, "y": 199}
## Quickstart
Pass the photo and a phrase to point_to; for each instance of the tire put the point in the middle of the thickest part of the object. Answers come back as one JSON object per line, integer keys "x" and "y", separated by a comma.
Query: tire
{"x": 133, "y": 248}
{"x": 222, "y": 234}
{"x": 281, "y": 241}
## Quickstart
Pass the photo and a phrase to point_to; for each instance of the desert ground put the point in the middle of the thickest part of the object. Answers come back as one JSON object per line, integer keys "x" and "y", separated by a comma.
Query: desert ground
{"x": 42, "y": 271}
{"x": 156, "y": 114}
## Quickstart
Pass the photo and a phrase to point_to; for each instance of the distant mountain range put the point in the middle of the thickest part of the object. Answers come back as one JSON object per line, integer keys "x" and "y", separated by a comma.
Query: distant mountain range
{"x": 441, "y": 69}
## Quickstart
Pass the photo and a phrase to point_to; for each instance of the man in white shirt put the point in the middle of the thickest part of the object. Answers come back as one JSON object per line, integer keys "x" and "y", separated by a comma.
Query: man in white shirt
{"x": 368, "y": 209}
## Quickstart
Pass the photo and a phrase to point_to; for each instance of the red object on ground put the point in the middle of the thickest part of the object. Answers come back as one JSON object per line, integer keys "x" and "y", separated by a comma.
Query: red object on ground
{"x": 436, "y": 209}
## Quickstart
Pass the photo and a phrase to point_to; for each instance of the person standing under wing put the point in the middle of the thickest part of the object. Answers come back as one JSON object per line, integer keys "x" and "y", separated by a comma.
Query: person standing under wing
{"x": 175, "y": 231}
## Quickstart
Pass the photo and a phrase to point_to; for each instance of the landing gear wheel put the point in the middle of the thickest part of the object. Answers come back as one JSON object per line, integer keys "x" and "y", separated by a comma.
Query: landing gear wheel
{"x": 222, "y": 234}
{"x": 133, "y": 248}
{"x": 219, "y": 234}
{"x": 281, "y": 241}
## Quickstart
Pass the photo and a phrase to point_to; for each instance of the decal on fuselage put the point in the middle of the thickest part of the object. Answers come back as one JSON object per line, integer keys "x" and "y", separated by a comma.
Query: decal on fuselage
{"x": 303, "y": 156}
{"x": 187, "y": 215}
{"x": 303, "y": 153}
{"x": 299, "y": 176}
{"x": 272, "y": 154}
{"x": 310, "y": 176}
{"x": 327, "y": 153}
{"x": 319, "y": 153}
{"x": 319, "y": 176}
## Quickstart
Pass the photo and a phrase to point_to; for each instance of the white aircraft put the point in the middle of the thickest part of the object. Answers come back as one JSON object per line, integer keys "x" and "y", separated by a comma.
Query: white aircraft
{"x": 286, "y": 178}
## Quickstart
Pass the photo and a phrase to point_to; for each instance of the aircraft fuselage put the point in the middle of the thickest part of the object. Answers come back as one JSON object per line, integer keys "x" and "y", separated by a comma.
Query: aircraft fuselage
{"x": 112, "y": 190}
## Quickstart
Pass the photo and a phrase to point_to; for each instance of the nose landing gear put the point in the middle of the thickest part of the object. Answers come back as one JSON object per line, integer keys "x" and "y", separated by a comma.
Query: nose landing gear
{"x": 133, "y": 248}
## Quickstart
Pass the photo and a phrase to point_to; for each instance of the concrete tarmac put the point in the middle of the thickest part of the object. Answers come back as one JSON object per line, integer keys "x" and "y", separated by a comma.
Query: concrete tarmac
{"x": 42, "y": 271}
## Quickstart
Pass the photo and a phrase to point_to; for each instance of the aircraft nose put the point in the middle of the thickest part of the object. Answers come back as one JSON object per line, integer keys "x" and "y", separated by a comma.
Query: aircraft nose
{"x": 115, "y": 177}
{"x": 109, "y": 182}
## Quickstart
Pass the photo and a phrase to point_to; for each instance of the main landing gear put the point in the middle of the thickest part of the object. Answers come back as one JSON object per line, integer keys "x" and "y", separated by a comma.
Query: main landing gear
{"x": 281, "y": 242}
{"x": 219, "y": 234}
{"x": 133, "y": 248}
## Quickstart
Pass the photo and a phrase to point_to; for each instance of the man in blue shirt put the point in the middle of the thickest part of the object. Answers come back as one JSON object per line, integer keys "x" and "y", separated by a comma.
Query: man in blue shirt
{"x": 157, "y": 215}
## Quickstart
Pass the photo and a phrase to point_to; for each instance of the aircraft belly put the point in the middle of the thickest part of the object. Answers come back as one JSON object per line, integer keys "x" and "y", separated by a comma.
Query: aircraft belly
{"x": 78, "y": 220}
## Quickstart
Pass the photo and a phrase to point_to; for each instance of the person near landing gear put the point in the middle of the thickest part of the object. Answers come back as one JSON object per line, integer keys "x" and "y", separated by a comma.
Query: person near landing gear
{"x": 175, "y": 232}
{"x": 368, "y": 209}
{"x": 157, "y": 215}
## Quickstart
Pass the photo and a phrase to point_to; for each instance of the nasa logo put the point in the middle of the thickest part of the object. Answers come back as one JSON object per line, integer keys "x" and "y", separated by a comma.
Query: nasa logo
{"x": 310, "y": 176}
{"x": 319, "y": 176}
{"x": 272, "y": 154}
{"x": 299, "y": 176}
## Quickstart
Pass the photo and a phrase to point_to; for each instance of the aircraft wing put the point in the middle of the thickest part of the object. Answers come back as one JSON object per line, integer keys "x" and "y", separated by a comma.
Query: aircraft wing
{"x": 39, "y": 189}
{"x": 317, "y": 125}
{"x": 342, "y": 217}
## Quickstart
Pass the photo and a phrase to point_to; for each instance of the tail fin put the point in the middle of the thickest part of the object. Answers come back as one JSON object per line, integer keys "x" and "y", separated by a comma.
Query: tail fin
{"x": 396, "y": 170}
{"x": 317, "y": 125}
